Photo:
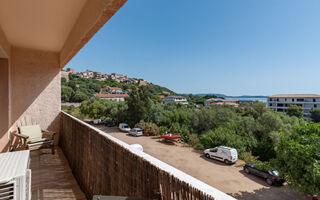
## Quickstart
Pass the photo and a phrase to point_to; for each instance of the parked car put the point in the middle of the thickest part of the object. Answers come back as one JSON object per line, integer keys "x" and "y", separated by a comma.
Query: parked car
{"x": 136, "y": 132}
{"x": 272, "y": 177}
{"x": 124, "y": 127}
{"x": 109, "y": 123}
{"x": 226, "y": 154}
{"x": 97, "y": 121}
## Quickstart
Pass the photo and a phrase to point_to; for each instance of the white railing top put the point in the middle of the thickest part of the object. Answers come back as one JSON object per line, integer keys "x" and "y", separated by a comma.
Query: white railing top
{"x": 205, "y": 188}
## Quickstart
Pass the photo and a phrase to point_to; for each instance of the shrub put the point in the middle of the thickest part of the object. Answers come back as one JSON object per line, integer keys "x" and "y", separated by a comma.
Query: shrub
{"x": 248, "y": 157}
{"x": 148, "y": 128}
{"x": 194, "y": 140}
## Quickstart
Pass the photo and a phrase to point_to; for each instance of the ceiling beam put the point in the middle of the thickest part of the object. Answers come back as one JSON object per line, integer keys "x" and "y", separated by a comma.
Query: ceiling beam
{"x": 5, "y": 47}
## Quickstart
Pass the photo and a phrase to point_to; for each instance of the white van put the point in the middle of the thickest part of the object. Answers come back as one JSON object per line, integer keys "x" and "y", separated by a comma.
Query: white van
{"x": 226, "y": 154}
{"x": 124, "y": 127}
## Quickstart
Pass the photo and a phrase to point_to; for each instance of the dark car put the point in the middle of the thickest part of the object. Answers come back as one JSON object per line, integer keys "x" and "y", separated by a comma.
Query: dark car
{"x": 272, "y": 177}
{"x": 109, "y": 123}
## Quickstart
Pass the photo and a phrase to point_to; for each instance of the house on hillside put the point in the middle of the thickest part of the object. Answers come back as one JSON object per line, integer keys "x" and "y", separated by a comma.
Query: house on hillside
{"x": 175, "y": 99}
{"x": 220, "y": 101}
{"x": 114, "y": 90}
{"x": 112, "y": 97}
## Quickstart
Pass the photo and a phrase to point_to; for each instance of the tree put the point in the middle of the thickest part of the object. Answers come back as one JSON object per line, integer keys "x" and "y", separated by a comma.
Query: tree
{"x": 66, "y": 93}
{"x": 79, "y": 96}
{"x": 295, "y": 110}
{"x": 139, "y": 105}
{"x": 315, "y": 114}
{"x": 298, "y": 158}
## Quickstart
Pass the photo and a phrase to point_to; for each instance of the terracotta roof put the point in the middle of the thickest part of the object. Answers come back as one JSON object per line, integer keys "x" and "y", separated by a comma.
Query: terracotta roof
{"x": 111, "y": 95}
{"x": 295, "y": 96}
{"x": 114, "y": 88}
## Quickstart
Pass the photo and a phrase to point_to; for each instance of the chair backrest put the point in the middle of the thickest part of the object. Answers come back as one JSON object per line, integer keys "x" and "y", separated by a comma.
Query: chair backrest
{"x": 33, "y": 131}
{"x": 31, "y": 127}
{"x": 27, "y": 121}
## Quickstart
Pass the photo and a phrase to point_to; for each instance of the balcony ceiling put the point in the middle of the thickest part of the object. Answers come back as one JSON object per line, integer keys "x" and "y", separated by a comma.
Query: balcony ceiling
{"x": 39, "y": 24}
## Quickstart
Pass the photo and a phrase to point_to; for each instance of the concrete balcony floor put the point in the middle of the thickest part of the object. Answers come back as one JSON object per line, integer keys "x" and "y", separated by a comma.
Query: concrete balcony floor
{"x": 52, "y": 177}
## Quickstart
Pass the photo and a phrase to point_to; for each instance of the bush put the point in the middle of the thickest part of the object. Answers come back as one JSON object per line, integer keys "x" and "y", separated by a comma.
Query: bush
{"x": 223, "y": 136}
{"x": 248, "y": 157}
{"x": 148, "y": 128}
{"x": 194, "y": 140}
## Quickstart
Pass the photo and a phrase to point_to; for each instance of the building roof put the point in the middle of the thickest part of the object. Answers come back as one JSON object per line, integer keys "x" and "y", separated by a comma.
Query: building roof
{"x": 114, "y": 88}
{"x": 111, "y": 95}
{"x": 295, "y": 96}
{"x": 176, "y": 97}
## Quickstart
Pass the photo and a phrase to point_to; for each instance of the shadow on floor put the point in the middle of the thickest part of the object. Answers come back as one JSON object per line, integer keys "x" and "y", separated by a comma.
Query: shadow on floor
{"x": 52, "y": 177}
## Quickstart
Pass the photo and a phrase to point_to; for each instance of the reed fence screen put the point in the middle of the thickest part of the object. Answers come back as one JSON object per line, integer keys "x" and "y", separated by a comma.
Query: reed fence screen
{"x": 101, "y": 166}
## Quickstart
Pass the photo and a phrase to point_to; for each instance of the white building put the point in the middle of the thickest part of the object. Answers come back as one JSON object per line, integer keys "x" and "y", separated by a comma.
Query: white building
{"x": 175, "y": 99}
{"x": 112, "y": 97}
{"x": 281, "y": 102}
{"x": 220, "y": 101}
{"x": 114, "y": 90}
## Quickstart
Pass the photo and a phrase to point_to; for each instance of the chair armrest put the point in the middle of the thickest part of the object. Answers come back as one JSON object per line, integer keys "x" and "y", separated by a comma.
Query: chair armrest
{"x": 20, "y": 135}
{"x": 50, "y": 133}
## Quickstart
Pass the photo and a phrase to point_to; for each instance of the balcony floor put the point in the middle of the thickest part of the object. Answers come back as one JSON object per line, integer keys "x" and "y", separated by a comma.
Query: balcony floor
{"x": 52, "y": 177}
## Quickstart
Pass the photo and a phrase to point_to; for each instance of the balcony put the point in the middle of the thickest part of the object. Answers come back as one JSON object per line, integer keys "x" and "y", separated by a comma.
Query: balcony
{"x": 90, "y": 162}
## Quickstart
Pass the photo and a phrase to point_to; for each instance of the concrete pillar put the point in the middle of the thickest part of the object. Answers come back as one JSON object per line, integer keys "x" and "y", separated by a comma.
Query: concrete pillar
{"x": 4, "y": 104}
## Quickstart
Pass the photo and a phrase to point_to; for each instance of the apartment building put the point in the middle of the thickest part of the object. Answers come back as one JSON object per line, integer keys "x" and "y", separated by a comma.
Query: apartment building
{"x": 175, "y": 99}
{"x": 281, "y": 102}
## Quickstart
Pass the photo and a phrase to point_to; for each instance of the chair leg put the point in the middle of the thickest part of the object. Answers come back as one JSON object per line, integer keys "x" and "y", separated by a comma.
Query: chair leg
{"x": 52, "y": 150}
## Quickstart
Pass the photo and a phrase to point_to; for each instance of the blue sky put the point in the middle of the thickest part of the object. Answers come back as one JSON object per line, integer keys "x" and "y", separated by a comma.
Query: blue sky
{"x": 234, "y": 47}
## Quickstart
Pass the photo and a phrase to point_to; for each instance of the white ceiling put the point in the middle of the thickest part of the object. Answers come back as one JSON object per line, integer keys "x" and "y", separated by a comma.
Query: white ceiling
{"x": 39, "y": 24}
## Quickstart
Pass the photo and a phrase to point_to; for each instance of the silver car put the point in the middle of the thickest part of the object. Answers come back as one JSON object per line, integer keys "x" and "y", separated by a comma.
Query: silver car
{"x": 136, "y": 132}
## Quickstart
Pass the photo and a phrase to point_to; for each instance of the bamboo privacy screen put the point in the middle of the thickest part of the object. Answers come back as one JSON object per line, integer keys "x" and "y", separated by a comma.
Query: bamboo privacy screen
{"x": 103, "y": 167}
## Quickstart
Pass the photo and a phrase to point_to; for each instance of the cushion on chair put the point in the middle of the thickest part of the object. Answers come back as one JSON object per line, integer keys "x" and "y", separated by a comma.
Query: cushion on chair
{"x": 34, "y": 132}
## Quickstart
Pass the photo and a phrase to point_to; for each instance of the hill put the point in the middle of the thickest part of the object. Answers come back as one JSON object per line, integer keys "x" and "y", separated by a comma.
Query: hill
{"x": 78, "y": 89}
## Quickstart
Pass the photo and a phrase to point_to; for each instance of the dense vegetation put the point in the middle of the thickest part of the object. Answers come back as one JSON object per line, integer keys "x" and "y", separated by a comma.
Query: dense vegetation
{"x": 80, "y": 89}
{"x": 271, "y": 140}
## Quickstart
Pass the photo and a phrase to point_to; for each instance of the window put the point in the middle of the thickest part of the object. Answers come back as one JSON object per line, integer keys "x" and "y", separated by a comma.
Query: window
{"x": 270, "y": 104}
{"x": 300, "y": 100}
{"x": 214, "y": 150}
{"x": 292, "y": 99}
{"x": 314, "y": 105}
{"x": 277, "y": 99}
{"x": 285, "y": 99}
{"x": 314, "y": 100}
{"x": 280, "y": 105}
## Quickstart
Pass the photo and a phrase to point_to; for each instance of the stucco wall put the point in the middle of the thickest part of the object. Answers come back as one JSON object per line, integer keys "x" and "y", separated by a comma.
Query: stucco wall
{"x": 35, "y": 87}
{"x": 4, "y": 104}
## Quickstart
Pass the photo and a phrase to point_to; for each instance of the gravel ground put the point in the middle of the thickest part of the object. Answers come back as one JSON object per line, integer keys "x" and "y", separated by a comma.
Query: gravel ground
{"x": 229, "y": 179}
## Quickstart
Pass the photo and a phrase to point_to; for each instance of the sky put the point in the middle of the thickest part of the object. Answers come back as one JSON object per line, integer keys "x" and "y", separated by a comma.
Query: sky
{"x": 233, "y": 47}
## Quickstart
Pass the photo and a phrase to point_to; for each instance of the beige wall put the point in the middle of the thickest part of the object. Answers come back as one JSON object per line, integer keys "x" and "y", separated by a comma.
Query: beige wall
{"x": 4, "y": 104}
{"x": 35, "y": 87}
{"x": 34, "y": 90}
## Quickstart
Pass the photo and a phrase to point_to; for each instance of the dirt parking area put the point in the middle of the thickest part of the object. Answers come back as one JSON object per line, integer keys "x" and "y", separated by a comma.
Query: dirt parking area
{"x": 229, "y": 179}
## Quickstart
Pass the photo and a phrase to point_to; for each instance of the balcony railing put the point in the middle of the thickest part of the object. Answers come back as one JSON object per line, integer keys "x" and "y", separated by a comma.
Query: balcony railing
{"x": 104, "y": 165}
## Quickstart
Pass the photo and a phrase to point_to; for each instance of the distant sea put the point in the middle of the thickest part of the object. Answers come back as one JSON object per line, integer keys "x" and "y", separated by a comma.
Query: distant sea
{"x": 264, "y": 99}
{"x": 243, "y": 97}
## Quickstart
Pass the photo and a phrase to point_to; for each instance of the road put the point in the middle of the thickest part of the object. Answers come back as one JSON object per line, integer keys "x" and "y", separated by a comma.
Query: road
{"x": 229, "y": 179}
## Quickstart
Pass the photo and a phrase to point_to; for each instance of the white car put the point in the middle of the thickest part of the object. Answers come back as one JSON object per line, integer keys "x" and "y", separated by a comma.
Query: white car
{"x": 136, "y": 132}
{"x": 226, "y": 154}
{"x": 124, "y": 127}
